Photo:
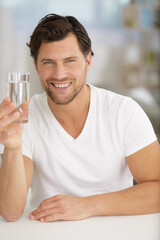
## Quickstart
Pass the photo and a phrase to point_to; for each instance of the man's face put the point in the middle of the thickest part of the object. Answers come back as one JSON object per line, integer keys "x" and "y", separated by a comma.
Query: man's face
{"x": 62, "y": 69}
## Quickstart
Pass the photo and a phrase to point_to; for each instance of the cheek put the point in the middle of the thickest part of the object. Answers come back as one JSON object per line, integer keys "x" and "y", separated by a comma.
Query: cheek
{"x": 44, "y": 75}
{"x": 43, "y": 78}
{"x": 79, "y": 70}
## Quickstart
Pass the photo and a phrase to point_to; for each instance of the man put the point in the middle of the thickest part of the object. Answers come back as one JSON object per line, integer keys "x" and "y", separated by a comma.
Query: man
{"x": 86, "y": 144}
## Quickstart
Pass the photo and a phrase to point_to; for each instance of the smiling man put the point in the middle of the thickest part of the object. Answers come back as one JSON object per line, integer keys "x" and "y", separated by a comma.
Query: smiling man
{"x": 63, "y": 74}
{"x": 82, "y": 146}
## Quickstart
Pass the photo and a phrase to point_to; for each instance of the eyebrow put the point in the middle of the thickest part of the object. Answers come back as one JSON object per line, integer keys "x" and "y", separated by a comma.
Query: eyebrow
{"x": 51, "y": 60}
{"x": 71, "y": 57}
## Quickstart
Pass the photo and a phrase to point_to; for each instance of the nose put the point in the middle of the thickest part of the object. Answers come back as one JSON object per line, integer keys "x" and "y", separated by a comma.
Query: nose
{"x": 59, "y": 72}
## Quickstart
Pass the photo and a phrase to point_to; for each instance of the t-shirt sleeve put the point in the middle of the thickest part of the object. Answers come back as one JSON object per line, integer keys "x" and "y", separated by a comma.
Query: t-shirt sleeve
{"x": 27, "y": 146}
{"x": 1, "y": 148}
{"x": 137, "y": 128}
{"x": 0, "y": 159}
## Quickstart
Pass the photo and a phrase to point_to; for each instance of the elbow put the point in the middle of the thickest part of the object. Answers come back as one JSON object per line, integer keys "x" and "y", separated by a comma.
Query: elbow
{"x": 11, "y": 218}
{"x": 11, "y": 215}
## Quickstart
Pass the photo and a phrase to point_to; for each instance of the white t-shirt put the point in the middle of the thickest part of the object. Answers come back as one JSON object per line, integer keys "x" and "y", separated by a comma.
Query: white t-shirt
{"x": 94, "y": 162}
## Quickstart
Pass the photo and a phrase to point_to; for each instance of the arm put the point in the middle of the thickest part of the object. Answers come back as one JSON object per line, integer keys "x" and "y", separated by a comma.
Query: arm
{"x": 16, "y": 171}
{"x": 140, "y": 199}
{"x": 15, "y": 178}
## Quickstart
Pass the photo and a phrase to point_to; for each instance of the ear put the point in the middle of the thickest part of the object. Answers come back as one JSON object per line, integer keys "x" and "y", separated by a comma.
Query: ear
{"x": 88, "y": 61}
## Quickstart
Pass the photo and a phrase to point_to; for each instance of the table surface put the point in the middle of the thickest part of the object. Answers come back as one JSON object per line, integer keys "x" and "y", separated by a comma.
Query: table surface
{"x": 139, "y": 227}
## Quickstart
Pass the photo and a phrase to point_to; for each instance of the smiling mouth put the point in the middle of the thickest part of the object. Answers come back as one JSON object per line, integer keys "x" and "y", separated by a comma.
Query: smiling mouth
{"x": 62, "y": 85}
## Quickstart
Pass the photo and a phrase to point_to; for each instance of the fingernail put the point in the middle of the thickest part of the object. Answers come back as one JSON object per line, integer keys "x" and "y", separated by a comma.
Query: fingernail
{"x": 11, "y": 105}
{"x": 41, "y": 220}
{"x": 16, "y": 114}
{"x": 20, "y": 109}
{"x": 32, "y": 217}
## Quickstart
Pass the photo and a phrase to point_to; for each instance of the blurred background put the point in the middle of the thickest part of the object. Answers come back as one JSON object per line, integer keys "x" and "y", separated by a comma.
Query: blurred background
{"x": 125, "y": 36}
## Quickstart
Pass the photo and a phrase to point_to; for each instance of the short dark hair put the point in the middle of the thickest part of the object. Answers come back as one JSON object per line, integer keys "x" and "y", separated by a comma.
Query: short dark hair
{"x": 54, "y": 27}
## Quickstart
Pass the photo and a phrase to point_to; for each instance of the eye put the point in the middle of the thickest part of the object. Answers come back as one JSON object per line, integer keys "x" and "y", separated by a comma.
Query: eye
{"x": 47, "y": 62}
{"x": 70, "y": 60}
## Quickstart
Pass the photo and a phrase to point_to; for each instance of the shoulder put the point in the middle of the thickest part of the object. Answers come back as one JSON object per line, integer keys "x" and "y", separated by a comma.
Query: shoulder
{"x": 111, "y": 99}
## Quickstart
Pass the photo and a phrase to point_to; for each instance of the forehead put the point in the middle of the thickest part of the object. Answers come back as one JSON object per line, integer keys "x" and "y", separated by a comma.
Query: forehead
{"x": 63, "y": 48}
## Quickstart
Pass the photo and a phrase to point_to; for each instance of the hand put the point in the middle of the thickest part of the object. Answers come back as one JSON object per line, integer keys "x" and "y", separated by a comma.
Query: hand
{"x": 62, "y": 207}
{"x": 10, "y": 133}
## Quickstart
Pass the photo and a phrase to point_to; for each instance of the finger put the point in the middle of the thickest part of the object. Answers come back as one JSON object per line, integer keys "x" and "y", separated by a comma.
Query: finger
{"x": 53, "y": 202}
{"x": 44, "y": 213}
{"x": 48, "y": 203}
{"x": 5, "y": 101}
{"x": 7, "y": 109}
{"x": 52, "y": 217}
{"x": 24, "y": 105}
{"x": 6, "y": 121}
{"x": 43, "y": 207}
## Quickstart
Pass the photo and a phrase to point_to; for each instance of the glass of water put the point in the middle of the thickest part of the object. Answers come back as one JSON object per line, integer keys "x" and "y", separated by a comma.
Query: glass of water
{"x": 18, "y": 92}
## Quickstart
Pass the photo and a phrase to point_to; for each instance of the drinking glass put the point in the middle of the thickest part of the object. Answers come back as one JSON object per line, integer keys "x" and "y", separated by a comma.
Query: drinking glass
{"x": 18, "y": 92}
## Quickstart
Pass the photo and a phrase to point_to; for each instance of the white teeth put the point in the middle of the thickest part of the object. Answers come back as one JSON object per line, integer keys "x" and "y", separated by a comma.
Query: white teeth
{"x": 62, "y": 85}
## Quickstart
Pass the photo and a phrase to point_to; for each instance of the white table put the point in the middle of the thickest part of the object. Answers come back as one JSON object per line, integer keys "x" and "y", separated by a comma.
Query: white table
{"x": 141, "y": 227}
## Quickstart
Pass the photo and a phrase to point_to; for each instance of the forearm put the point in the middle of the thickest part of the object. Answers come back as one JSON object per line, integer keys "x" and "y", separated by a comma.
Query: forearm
{"x": 143, "y": 198}
{"x": 13, "y": 186}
